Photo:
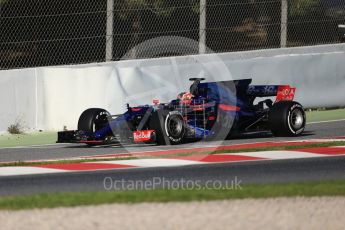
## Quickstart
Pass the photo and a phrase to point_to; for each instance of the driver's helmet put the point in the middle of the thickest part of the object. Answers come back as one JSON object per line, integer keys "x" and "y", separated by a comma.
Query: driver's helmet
{"x": 185, "y": 98}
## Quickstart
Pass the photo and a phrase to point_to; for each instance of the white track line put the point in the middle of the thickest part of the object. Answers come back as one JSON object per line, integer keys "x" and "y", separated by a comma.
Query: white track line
{"x": 16, "y": 171}
{"x": 151, "y": 162}
{"x": 38, "y": 146}
{"x": 319, "y": 122}
{"x": 147, "y": 163}
{"x": 281, "y": 155}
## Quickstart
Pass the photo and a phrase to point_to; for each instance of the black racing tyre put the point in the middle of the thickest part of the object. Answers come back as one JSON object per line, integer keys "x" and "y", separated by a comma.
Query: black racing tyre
{"x": 93, "y": 119}
{"x": 287, "y": 118}
{"x": 169, "y": 127}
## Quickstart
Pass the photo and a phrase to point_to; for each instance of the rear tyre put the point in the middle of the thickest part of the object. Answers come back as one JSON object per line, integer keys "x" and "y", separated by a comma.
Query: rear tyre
{"x": 169, "y": 127}
{"x": 287, "y": 118}
{"x": 93, "y": 119}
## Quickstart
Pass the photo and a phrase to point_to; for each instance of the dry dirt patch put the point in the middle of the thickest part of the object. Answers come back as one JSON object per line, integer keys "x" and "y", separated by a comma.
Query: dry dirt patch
{"x": 274, "y": 213}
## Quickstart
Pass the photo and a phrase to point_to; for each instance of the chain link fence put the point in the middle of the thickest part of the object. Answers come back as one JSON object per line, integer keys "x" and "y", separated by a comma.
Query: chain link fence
{"x": 58, "y": 32}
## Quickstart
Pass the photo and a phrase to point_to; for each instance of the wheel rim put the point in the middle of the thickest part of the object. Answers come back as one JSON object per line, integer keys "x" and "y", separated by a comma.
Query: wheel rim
{"x": 297, "y": 119}
{"x": 100, "y": 120}
{"x": 175, "y": 127}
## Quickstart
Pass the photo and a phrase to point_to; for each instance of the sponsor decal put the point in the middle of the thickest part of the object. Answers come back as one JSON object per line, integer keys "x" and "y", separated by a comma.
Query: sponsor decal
{"x": 142, "y": 135}
{"x": 295, "y": 106}
{"x": 211, "y": 118}
{"x": 251, "y": 90}
{"x": 262, "y": 90}
{"x": 269, "y": 89}
{"x": 173, "y": 112}
{"x": 136, "y": 109}
{"x": 285, "y": 93}
{"x": 226, "y": 107}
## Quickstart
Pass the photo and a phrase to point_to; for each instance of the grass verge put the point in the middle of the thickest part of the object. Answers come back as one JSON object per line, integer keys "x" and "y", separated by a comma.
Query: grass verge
{"x": 325, "y": 115}
{"x": 26, "y": 139}
{"x": 307, "y": 189}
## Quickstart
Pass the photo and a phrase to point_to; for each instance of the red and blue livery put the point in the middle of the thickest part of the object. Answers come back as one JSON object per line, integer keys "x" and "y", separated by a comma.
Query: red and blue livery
{"x": 211, "y": 111}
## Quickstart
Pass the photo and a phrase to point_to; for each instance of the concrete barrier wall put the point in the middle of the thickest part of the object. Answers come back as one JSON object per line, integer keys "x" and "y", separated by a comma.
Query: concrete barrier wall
{"x": 52, "y": 97}
{"x": 18, "y": 98}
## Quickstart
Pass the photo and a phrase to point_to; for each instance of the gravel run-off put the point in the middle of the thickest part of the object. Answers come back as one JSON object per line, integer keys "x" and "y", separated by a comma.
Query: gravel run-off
{"x": 272, "y": 213}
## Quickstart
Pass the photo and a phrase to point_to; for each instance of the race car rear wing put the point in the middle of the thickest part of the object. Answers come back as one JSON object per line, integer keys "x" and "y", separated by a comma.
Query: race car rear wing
{"x": 282, "y": 92}
{"x": 243, "y": 89}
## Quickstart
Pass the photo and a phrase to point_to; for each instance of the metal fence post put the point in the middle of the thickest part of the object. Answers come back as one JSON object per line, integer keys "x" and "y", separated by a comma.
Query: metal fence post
{"x": 202, "y": 27}
{"x": 283, "y": 23}
{"x": 110, "y": 31}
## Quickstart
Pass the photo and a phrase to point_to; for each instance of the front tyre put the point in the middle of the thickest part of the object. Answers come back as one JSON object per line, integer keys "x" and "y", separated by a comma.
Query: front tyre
{"x": 169, "y": 127}
{"x": 287, "y": 118}
{"x": 93, "y": 119}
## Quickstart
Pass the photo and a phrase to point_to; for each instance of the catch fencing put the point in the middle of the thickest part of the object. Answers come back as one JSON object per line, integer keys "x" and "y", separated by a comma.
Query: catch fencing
{"x": 59, "y": 32}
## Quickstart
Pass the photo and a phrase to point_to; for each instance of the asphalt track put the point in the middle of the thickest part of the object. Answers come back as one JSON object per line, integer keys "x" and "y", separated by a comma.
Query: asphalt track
{"x": 278, "y": 171}
{"x": 311, "y": 169}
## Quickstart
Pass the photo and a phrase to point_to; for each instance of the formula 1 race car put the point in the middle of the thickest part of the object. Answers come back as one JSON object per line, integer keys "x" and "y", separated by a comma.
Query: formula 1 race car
{"x": 211, "y": 111}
